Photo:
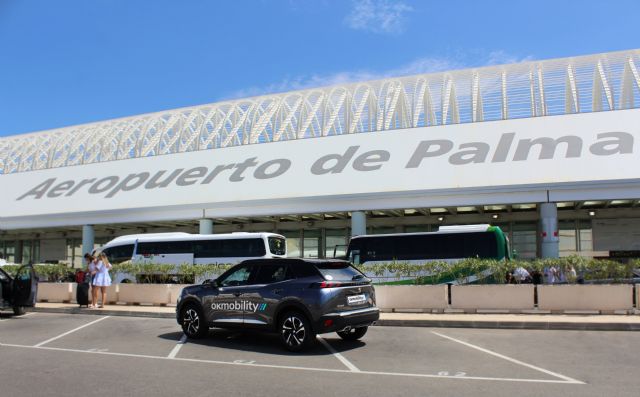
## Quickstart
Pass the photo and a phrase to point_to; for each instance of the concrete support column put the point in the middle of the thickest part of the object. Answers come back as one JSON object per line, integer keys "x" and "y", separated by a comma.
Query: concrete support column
{"x": 358, "y": 223}
{"x": 549, "y": 238}
{"x": 88, "y": 239}
{"x": 206, "y": 226}
{"x": 18, "y": 252}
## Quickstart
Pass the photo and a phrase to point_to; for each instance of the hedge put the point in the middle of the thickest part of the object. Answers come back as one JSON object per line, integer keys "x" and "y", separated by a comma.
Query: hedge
{"x": 149, "y": 272}
{"x": 467, "y": 270}
{"x": 489, "y": 271}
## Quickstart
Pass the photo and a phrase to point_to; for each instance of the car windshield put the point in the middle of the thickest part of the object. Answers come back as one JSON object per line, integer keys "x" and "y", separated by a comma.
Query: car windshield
{"x": 338, "y": 271}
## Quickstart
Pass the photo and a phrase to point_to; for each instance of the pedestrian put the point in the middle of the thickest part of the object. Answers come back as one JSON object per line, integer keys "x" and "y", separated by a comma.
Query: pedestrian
{"x": 570, "y": 273}
{"x": 102, "y": 279}
{"x": 91, "y": 274}
{"x": 536, "y": 276}
{"x": 508, "y": 278}
{"x": 550, "y": 274}
{"x": 521, "y": 275}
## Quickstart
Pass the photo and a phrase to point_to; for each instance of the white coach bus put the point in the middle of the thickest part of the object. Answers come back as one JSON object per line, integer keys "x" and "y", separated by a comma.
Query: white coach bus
{"x": 196, "y": 249}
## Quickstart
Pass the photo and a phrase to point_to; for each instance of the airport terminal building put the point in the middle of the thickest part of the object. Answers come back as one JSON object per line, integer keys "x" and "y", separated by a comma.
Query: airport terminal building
{"x": 547, "y": 150}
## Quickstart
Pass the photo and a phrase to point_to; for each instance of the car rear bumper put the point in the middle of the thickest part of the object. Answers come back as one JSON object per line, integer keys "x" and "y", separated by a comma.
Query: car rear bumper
{"x": 356, "y": 318}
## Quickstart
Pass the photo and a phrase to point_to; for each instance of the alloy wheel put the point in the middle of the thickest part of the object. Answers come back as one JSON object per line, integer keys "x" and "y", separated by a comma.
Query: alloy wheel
{"x": 191, "y": 321}
{"x": 293, "y": 331}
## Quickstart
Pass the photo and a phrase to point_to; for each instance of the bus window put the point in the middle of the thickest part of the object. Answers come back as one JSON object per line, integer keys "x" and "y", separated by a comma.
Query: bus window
{"x": 165, "y": 247}
{"x": 207, "y": 248}
{"x": 119, "y": 253}
{"x": 238, "y": 248}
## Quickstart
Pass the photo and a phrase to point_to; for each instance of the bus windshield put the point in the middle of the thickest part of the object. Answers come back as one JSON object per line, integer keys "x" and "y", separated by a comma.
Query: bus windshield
{"x": 277, "y": 245}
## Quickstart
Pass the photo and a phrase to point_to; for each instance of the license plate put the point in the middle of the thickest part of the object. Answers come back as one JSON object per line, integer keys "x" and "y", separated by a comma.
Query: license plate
{"x": 356, "y": 299}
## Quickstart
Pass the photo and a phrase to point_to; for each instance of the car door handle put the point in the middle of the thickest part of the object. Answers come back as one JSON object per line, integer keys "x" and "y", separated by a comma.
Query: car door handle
{"x": 277, "y": 291}
{"x": 236, "y": 294}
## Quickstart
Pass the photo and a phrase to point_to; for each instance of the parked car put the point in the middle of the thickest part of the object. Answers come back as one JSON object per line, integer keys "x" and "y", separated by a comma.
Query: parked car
{"x": 297, "y": 298}
{"x": 18, "y": 292}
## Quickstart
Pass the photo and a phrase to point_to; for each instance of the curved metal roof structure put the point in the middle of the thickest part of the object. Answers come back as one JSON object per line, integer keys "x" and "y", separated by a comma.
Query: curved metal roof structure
{"x": 600, "y": 82}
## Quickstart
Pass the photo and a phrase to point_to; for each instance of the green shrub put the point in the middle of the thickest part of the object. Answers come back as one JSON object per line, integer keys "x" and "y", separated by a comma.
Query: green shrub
{"x": 489, "y": 271}
{"x": 167, "y": 273}
{"x": 45, "y": 272}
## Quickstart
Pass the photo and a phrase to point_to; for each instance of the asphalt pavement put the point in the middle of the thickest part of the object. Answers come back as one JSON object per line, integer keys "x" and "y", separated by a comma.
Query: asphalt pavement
{"x": 74, "y": 354}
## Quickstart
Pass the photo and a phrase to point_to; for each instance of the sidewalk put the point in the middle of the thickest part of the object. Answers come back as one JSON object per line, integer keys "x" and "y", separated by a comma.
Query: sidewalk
{"x": 497, "y": 321}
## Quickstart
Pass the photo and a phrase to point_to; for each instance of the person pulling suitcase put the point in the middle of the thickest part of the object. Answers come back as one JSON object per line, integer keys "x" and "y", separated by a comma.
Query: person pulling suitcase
{"x": 82, "y": 289}
{"x": 82, "y": 292}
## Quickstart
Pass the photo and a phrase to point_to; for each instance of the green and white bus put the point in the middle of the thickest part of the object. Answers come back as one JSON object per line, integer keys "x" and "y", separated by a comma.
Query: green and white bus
{"x": 449, "y": 244}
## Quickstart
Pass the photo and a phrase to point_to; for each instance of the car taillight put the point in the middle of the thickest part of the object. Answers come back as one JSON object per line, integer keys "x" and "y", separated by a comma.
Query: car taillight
{"x": 328, "y": 284}
{"x": 336, "y": 284}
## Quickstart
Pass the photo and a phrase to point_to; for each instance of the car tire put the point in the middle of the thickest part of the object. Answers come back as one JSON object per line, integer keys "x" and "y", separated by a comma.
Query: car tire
{"x": 194, "y": 324}
{"x": 295, "y": 331}
{"x": 19, "y": 310}
{"x": 353, "y": 333}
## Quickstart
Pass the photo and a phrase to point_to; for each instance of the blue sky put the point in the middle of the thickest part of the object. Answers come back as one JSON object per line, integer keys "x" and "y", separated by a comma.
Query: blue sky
{"x": 69, "y": 62}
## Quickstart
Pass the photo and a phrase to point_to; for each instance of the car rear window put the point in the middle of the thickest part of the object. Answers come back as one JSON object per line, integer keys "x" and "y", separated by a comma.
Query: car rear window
{"x": 337, "y": 270}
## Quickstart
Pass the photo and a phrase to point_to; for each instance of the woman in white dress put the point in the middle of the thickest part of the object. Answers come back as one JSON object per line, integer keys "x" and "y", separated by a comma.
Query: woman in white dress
{"x": 102, "y": 279}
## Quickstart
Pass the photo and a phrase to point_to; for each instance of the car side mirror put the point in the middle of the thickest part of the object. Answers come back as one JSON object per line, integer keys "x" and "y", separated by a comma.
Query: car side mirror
{"x": 214, "y": 283}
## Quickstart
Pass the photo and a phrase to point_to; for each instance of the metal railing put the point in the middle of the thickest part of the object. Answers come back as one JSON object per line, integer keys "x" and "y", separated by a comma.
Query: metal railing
{"x": 599, "y": 82}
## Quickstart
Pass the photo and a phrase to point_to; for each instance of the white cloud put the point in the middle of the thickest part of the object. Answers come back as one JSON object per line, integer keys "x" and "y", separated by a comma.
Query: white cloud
{"x": 378, "y": 16}
{"x": 417, "y": 66}
{"x": 500, "y": 57}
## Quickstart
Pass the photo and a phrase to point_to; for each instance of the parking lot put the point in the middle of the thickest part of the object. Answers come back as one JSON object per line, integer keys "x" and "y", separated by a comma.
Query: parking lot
{"x": 63, "y": 354}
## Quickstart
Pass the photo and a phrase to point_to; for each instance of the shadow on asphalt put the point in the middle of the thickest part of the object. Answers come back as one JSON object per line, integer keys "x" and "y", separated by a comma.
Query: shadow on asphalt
{"x": 9, "y": 315}
{"x": 259, "y": 342}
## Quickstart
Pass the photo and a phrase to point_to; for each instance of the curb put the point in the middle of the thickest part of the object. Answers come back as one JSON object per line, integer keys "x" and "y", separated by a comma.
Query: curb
{"x": 100, "y": 312}
{"x": 539, "y": 325}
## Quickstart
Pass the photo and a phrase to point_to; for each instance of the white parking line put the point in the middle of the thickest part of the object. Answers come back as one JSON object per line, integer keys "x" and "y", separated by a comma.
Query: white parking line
{"x": 512, "y": 360}
{"x": 70, "y": 332}
{"x": 339, "y": 356}
{"x": 177, "y": 347}
{"x": 287, "y": 367}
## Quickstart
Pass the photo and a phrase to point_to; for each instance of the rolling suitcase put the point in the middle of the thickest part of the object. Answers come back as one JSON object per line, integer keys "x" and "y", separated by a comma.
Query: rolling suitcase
{"x": 82, "y": 294}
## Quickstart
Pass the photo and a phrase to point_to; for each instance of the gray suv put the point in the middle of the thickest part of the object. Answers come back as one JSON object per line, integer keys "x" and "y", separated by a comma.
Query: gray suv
{"x": 297, "y": 298}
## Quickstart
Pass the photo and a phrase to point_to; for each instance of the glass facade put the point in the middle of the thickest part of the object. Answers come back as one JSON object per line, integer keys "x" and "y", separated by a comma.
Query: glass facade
{"x": 336, "y": 241}
{"x": 8, "y": 250}
{"x": 524, "y": 239}
{"x": 576, "y": 238}
{"x": 312, "y": 244}
{"x": 75, "y": 256}
{"x": 20, "y": 251}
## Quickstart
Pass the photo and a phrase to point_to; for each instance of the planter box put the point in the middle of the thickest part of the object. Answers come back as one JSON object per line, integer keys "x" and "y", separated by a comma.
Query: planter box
{"x": 112, "y": 293}
{"x": 55, "y": 292}
{"x": 585, "y": 297}
{"x": 174, "y": 292}
{"x": 492, "y": 297}
{"x": 412, "y": 297}
{"x": 154, "y": 294}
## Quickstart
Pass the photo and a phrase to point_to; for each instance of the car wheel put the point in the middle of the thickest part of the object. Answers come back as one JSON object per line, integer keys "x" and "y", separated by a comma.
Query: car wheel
{"x": 296, "y": 333}
{"x": 194, "y": 324}
{"x": 353, "y": 333}
{"x": 19, "y": 310}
